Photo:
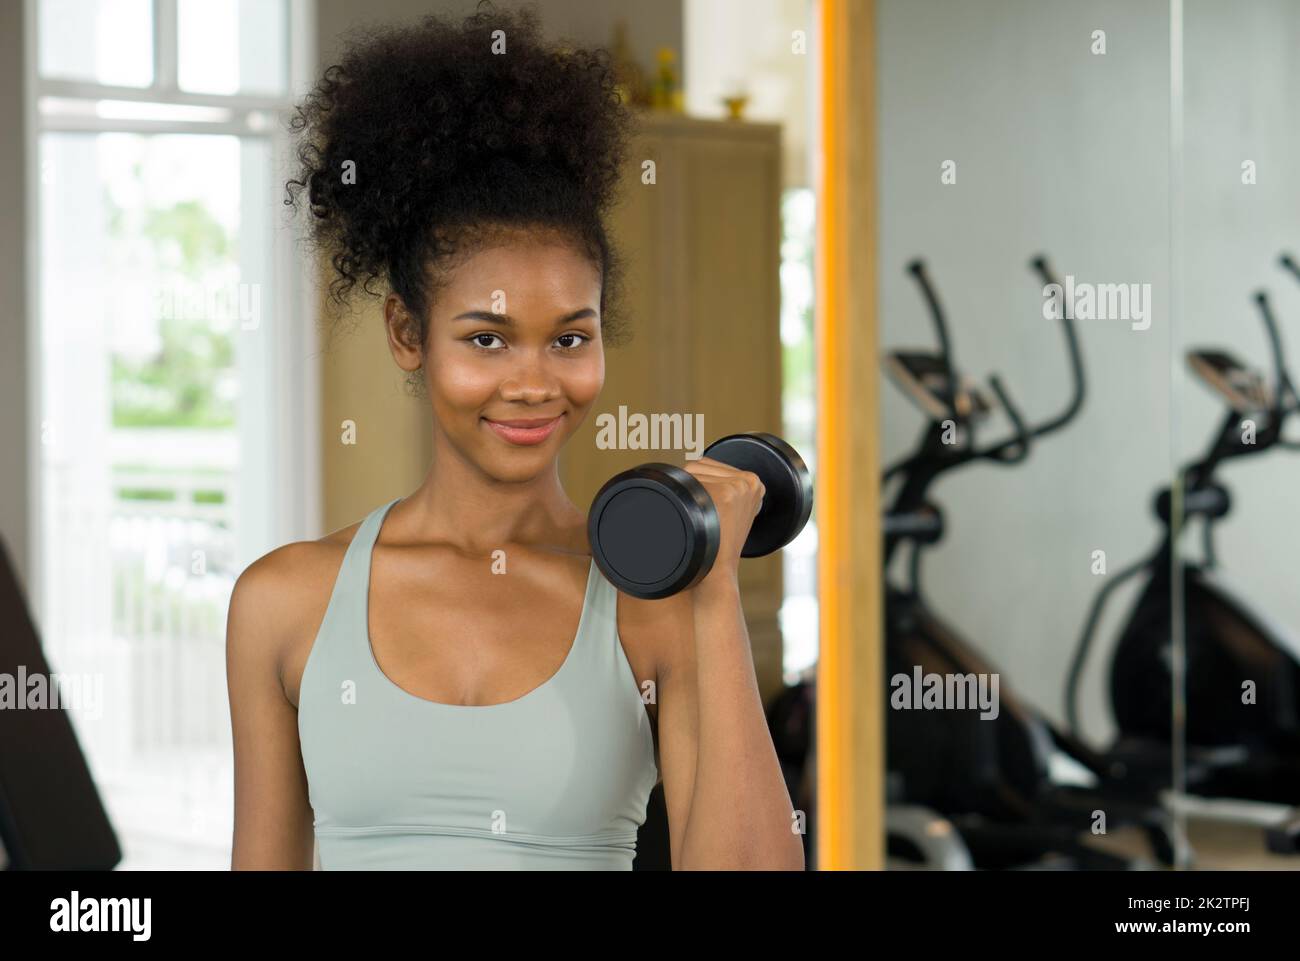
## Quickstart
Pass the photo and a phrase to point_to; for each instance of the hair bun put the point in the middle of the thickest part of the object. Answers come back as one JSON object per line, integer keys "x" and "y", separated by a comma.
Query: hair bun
{"x": 421, "y": 133}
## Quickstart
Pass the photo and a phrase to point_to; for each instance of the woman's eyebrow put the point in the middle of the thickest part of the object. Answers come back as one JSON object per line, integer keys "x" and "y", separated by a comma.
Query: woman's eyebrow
{"x": 506, "y": 320}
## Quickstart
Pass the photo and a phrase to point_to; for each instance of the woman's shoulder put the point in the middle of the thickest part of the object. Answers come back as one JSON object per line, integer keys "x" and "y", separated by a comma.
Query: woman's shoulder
{"x": 282, "y": 596}
{"x": 297, "y": 564}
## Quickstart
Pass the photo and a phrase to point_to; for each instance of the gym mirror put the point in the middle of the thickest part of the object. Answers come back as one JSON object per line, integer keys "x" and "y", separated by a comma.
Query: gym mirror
{"x": 1024, "y": 270}
{"x": 1235, "y": 434}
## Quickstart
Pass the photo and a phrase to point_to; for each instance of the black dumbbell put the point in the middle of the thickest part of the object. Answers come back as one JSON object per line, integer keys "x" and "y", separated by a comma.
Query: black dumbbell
{"x": 654, "y": 530}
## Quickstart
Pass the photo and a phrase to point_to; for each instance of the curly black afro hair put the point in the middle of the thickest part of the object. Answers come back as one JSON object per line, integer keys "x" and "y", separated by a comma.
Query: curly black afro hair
{"x": 452, "y": 143}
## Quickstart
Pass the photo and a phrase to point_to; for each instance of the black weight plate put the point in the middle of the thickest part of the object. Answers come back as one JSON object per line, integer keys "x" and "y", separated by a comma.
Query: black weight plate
{"x": 787, "y": 505}
{"x": 653, "y": 531}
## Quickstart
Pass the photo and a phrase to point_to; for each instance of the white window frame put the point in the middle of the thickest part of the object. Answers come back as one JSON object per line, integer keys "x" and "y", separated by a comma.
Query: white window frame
{"x": 294, "y": 511}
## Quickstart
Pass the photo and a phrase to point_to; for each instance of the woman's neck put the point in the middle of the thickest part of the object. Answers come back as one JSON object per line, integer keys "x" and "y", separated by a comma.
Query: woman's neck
{"x": 459, "y": 505}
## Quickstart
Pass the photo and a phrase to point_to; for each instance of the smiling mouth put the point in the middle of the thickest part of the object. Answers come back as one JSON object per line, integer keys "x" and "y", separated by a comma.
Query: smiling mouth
{"x": 525, "y": 433}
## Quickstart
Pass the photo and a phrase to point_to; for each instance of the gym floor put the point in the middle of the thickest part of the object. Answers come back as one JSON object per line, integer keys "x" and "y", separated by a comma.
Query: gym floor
{"x": 1223, "y": 846}
{"x": 1217, "y": 845}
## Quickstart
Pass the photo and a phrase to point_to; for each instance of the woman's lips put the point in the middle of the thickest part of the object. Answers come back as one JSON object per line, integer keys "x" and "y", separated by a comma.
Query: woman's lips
{"x": 525, "y": 433}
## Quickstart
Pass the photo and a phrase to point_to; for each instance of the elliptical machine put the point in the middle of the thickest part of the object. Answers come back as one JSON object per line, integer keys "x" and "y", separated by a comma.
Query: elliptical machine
{"x": 1235, "y": 745}
{"x": 991, "y": 776}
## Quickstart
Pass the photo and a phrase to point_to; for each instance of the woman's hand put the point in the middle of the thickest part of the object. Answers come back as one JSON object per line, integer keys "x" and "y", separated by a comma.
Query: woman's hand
{"x": 737, "y": 495}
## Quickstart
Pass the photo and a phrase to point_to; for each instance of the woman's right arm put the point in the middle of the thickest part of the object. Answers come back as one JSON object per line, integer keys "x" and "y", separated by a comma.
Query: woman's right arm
{"x": 273, "y": 818}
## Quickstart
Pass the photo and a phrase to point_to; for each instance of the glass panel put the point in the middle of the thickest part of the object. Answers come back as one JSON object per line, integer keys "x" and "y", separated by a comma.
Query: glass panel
{"x": 106, "y": 41}
{"x": 232, "y": 46}
{"x": 1240, "y": 328}
{"x": 153, "y": 282}
{"x": 799, "y": 415}
{"x": 1010, "y": 132}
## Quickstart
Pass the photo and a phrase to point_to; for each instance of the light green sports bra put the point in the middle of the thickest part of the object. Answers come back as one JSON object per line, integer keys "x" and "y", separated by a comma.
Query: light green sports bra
{"x": 556, "y": 779}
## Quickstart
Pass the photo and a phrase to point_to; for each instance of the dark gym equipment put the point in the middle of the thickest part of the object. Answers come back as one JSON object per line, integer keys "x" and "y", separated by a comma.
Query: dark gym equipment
{"x": 990, "y": 777}
{"x": 653, "y": 848}
{"x": 654, "y": 531}
{"x": 1234, "y": 750}
{"x": 51, "y": 815}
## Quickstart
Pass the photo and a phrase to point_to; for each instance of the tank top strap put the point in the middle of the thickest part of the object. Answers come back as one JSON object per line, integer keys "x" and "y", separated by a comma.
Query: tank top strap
{"x": 605, "y": 672}
{"x": 355, "y": 573}
{"x": 345, "y": 617}
{"x": 599, "y": 633}
{"x": 368, "y": 532}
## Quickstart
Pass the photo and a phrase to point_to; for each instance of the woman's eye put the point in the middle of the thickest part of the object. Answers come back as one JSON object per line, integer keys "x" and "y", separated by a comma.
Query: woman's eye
{"x": 488, "y": 341}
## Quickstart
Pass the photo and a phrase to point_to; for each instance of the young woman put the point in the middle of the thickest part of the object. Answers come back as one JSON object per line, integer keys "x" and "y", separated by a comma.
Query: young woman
{"x": 452, "y": 683}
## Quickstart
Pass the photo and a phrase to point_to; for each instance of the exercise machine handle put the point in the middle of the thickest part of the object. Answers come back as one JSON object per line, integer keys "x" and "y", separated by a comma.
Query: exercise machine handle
{"x": 1023, "y": 436}
{"x": 1281, "y": 379}
{"x": 1024, "y": 433}
{"x": 917, "y": 269}
{"x": 1289, "y": 263}
{"x": 1044, "y": 271}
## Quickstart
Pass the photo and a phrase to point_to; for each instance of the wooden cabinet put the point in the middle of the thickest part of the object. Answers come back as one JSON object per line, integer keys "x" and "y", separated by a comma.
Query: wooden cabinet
{"x": 702, "y": 296}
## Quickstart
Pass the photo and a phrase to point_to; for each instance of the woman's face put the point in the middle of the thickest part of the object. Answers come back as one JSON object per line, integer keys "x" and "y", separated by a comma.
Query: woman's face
{"x": 514, "y": 358}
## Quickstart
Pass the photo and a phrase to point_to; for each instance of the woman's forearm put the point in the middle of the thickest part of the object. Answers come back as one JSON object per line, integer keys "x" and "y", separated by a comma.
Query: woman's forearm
{"x": 740, "y": 814}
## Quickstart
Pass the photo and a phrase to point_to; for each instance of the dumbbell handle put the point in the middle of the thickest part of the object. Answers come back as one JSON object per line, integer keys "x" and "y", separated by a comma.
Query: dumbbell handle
{"x": 785, "y": 472}
{"x": 654, "y": 530}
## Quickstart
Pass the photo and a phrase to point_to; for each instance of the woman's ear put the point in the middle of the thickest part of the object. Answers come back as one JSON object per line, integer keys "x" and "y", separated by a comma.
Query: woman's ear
{"x": 403, "y": 334}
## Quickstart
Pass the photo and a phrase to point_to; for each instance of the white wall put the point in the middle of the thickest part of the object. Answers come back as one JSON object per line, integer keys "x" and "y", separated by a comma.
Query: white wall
{"x": 748, "y": 44}
{"x": 1061, "y": 151}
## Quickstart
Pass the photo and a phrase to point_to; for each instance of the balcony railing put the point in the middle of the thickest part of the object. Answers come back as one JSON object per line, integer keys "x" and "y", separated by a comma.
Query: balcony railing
{"x": 147, "y": 549}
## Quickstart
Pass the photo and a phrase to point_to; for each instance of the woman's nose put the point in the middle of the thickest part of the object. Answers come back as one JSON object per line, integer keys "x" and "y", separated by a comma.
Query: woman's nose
{"x": 531, "y": 383}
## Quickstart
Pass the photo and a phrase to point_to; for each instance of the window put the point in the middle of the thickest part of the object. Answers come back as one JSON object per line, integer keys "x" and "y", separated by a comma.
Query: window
{"x": 799, "y": 609}
{"x": 175, "y": 372}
